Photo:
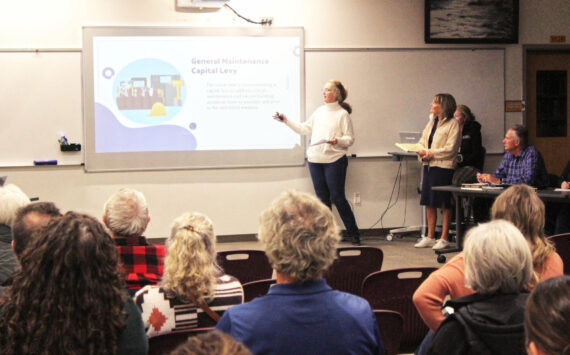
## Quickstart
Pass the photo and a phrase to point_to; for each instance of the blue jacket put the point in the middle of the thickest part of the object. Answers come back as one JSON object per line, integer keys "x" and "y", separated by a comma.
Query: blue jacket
{"x": 304, "y": 318}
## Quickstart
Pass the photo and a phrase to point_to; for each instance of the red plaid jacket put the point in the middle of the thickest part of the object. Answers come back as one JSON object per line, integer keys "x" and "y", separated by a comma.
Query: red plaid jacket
{"x": 143, "y": 263}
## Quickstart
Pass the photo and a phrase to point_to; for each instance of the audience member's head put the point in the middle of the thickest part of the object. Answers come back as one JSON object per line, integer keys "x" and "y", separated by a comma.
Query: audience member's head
{"x": 211, "y": 343}
{"x": 126, "y": 213}
{"x": 190, "y": 265}
{"x": 465, "y": 114}
{"x": 497, "y": 258}
{"x": 300, "y": 236}
{"x": 520, "y": 205}
{"x": 547, "y": 317}
{"x": 68, "y": 295}
{"x": 11, "y": 198}
{"x": 29, "y": 220}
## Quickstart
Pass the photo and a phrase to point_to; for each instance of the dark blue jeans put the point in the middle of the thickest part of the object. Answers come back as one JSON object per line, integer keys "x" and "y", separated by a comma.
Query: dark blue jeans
{"x": 328, "y": 181}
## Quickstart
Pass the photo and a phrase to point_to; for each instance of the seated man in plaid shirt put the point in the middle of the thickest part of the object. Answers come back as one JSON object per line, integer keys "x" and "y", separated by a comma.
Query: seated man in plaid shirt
{"x": 521, "y": 164}
{"x": 126, "y": 216}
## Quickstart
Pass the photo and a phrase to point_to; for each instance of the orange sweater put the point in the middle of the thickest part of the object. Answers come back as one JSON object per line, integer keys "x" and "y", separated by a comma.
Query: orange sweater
{"x": 450, "y": 280}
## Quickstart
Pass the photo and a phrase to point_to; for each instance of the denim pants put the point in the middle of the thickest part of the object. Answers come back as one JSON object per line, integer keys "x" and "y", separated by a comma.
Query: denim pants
{"x": 328, "y": 181}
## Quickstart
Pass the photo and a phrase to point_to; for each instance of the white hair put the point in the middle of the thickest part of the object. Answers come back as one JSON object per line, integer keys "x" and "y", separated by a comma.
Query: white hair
{"x": 126, "y": 213}
{"x": 497, "y": 258}
{"x": 11, "y": 199}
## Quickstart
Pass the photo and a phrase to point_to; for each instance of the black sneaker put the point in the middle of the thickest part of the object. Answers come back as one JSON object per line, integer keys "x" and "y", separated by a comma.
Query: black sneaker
{"x": 355, "y": 241}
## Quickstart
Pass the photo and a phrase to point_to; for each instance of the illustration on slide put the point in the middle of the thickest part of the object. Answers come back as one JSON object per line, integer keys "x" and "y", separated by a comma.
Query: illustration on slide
{"x": 137, "y": 95}
{"x": 149, "y": 88}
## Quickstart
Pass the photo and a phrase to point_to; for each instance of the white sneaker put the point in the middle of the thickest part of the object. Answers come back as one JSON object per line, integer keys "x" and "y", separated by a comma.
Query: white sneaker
{"x": 441, "y": 244}
{"x": 425, "y": 243}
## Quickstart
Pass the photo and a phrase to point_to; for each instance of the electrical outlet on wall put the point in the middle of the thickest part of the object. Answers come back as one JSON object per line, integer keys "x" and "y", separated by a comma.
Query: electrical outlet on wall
{"x": 356, "y": 198}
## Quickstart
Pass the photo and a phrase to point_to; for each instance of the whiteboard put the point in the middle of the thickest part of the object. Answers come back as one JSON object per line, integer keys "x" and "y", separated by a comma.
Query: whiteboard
{"x": 390, "y": 90}
{"x": 41, "y": 101}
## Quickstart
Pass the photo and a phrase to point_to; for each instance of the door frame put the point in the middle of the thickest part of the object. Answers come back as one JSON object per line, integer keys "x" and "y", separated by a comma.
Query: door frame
{"x": 546, "y": 49}
{"x": 536, "y": 47}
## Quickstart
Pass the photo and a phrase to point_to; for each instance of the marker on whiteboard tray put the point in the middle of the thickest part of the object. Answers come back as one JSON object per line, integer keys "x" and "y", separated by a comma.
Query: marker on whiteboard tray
{"x": 45, "y": 162}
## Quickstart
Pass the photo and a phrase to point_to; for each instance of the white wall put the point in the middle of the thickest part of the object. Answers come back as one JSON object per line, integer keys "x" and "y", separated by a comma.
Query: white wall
{"x": 233, "y": 198}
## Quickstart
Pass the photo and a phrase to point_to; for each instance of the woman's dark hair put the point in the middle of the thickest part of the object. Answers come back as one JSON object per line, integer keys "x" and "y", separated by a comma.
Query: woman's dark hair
{"x": 341, "y": 94}
{"x": 68, "y": 296}
{"x": 547, "y": 316}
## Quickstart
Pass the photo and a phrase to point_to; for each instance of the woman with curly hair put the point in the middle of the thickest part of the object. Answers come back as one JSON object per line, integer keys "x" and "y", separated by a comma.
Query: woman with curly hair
{"x": 192, "y": 284}
{"x": 68, "y": 296}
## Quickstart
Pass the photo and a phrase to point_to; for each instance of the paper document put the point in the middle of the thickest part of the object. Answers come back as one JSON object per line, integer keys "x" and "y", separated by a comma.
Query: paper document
{"x": 483, "y": 186}
{"x": 322, "y": 141}
{"x": 563, "y": 190}
{"x": 410, "y": 147}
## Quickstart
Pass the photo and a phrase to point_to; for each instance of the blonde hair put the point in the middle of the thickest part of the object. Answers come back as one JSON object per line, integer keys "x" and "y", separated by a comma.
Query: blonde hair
{"x": 300, "y": 235}
{"x": 497, "y": 258}
{"x": 190, "y": 266}
{"x": 213, "y": 342}
{"x": 520, "y": 205}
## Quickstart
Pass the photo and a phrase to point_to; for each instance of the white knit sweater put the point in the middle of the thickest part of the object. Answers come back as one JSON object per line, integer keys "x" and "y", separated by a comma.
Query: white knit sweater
{"x": 327, "y": 122}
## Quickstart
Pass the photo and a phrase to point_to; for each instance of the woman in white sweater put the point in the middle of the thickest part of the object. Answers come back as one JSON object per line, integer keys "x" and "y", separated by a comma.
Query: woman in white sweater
{"x": 331, "y": 133}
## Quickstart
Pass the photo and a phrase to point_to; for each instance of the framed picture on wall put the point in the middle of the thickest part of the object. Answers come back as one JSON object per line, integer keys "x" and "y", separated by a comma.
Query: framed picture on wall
{"x": 471, "y": 21}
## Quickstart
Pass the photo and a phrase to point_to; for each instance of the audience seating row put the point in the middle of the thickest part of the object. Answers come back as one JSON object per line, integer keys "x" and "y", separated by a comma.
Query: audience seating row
{"x": 389, "y": 322}
{"x": 356, "y": 270}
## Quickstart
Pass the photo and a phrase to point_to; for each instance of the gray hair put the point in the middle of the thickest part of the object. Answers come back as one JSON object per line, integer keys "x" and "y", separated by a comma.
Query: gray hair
{"x": 11, "y": 199}
{"x": 300, "y": 235}
{"x": 521, "y": 132}
{"x": 126, "y": 213}
{"x": 497, "y": 258}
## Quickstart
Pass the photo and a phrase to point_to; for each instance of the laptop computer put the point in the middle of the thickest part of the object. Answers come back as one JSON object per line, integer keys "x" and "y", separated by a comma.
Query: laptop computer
{"x": 410, "y": 137}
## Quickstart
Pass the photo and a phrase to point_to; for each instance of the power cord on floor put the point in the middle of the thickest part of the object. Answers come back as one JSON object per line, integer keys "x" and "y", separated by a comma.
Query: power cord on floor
{"x": 397, "y": 182}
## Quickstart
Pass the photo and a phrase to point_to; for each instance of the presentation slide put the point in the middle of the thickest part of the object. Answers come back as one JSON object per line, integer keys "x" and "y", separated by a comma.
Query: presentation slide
{"x": 193, "y": 92}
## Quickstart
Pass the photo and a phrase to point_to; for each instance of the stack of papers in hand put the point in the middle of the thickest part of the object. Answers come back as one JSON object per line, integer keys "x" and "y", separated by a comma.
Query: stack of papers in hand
{"x": 409, "y": 147}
